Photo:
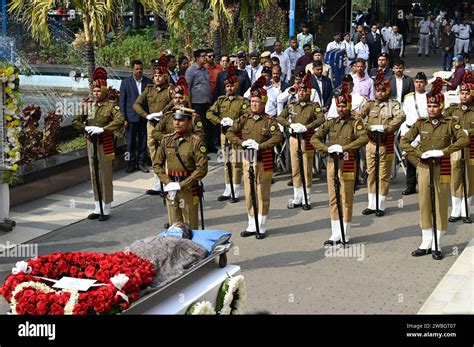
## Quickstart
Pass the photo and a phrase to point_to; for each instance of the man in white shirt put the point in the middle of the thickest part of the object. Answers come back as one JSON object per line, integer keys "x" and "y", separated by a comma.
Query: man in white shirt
{"x": 304, "y": 37}
{"x": 294, "y": 53}
{"x": 425, "y": 28}
{"x": 272, "y": 92}
{"x": 336, "y": 44}
{"x": 350, "y": 52}
{"x": 362, "y": 49}
{"x": 254, "y": 69}
{"x": 415, "y": 107}
{"x": 385, "y": 31}
{"x": 463, "y": 33}
{"x": 285, "y": 63}
{"x": 358, "y": 100}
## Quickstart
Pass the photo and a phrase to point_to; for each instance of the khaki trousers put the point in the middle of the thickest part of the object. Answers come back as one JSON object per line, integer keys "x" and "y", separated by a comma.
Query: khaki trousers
{"x": 385, "y": 169}
{"x": 263, "y": 183}
{"x": 235, "y": 160}
{"x": 184, "y": 208}
{"x": 346, "y": 189}
{"x": 442, "y": 197}
{"x": 105, "y": 174}
{"x": 308, "y": 158}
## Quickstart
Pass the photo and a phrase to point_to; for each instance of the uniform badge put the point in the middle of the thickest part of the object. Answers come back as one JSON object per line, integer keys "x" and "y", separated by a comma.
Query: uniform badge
{"x": 457, "y": 127}
{"x": 256, "y": 117}
{"x": 199, "y": 124}
{"x": 272, "y": 128}
{"x": 359, "y": 127}
{"x": 303, "y": 103}
{"x": 244, "y": 106}
{"x": 231, "y": 97}
{"x": 318, "y": 109}
{"x": 464, "y": 107}
{"x": 202, "y": 149}
{"x": 117, "y": 108}
{"x": 435, "y": 121}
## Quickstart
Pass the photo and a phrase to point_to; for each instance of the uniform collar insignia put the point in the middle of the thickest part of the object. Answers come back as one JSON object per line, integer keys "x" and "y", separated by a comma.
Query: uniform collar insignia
{"x": 303, "y": 103}
{"x": 231, "y": 97}
{"x": 464, "y": 107}
{"x": 435, "y": 121}
{"x": 256, "y": 117}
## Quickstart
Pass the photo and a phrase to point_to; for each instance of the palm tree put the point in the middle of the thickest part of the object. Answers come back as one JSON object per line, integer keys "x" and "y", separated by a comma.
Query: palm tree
{"x": 96, "y": 16}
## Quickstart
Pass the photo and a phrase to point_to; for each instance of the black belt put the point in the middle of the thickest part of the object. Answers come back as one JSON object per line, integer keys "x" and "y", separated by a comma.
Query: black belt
{"x": 463, "y": 39}
{"x": 424, "y": 33}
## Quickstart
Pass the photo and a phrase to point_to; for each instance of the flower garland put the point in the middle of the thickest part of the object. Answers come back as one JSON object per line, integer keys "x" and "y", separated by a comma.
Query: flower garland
{"x": 232, "y": 296}
{"x": 9, "y": 76}
{"x": 123, "y": 275}
{"x": 201, "y": 308}
{"x": 28, "y": 301}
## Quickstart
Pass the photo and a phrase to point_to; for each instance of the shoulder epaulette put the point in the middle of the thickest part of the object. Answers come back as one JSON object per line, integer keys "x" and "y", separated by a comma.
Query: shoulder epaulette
{"x": 168, "y": 135}
{"x": 409, "y": 94}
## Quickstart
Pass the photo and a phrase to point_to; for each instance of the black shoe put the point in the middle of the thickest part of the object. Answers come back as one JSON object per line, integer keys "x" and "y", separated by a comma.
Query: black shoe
{"x": 420, "y": 252}
{"x": 454, "y": 219}
{"x": 10, "y": 222}
{"x": 93, "y": 216}
{"x": 233, "y": 200}
{"x": 292, "y": 205}
{"x": 419, "y": 54}
{"x": 260, "y": 236}
{"x": 380, "y": 213}
{"x": 306, "y": 207}
{"x": 467, "y": 220}
{"x": 103, "y": 218}
{"x": 332, "y": 243}
{"x": 409, "y": 191}
{"x": 368, "y": 211}
{"x": 427, "y": 55}
{"x": 437, "y": 255}
{"x": 273, "y": 181}
{"x": 289, "y": 183}
{"x": 153, "y": 192}
{"x": 143, "y": 168}
{"x": 222, "y": 198}
{"x": 130, "y": 169}
{"x": 247, "y": 233}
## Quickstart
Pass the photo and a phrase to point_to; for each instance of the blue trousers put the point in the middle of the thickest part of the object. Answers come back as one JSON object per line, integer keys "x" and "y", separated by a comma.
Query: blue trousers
{"x": 447, "y": 60}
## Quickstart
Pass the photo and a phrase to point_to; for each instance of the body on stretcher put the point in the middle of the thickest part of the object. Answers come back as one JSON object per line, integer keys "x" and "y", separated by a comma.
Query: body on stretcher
{"x": 201, "y": 281}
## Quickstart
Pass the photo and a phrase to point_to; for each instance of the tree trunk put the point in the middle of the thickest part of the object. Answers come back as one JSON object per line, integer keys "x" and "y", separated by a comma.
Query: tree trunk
{"x": 217, "y": 38}
{"x": 90, "y": 57}
{"x": 135, "y": 15}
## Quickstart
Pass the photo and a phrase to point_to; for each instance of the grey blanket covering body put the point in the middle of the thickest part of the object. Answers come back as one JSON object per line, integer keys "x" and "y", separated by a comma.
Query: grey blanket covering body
{"x": 170, "y": 256}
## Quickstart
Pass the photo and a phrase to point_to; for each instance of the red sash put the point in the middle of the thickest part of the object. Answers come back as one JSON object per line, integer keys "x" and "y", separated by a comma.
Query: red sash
{"x": 471, "y": 151}
{"x": 107, "y": 141}
{"x": 348, "y": 166}
{"x": 445, "y": 170}
{"x": 266, "y": 157}
{"x": 308, "y": 135}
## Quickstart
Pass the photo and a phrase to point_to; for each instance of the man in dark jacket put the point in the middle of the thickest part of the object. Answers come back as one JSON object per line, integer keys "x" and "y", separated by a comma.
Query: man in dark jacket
{"x": 374, "y": 41}
{"x": 243, "y": 78}
{"x": 448, "y": 39}
{"x": 130, "y": 89}
{"x": 400, "y": 84}
{"x": 322, "y": 86}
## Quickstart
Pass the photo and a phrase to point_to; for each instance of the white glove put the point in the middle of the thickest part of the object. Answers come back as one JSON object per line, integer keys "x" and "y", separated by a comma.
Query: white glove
{"x": 300, "y": 128}
{"x": 155, "y": 116}
{"x": 416, "y": 142}
{"x": 97, "y": 131}
{"x": 254, "y": 145}
{"x": 294, "y": 126}
{"x": 435, "y": 153}
{"x": 227, "y": 122}
{"x": 335, "y": 149}
{"x": 246, "y": 143}
{"x": 378, "y": 128}
{"x": 89, "y": 128}
{"x": 250, "y": 144}
{"x": 172, "y": 186}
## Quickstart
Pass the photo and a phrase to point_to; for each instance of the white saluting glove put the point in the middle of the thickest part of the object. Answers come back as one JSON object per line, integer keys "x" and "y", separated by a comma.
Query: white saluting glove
{"x": 378, "y": 128}
{"x": 434, "y": 153}
{"x": 172, "y": 186}
{"x": 97, "y": 131}
{"x": 301, "y": 128}
{"x": 335, "y": 149}
{"x": 227, "y": 122}
{"x": 294, "y": 126}
{"x": 155, "y": 116}
{"x": 246, "y": 143}
{"x": 89, "y": 128}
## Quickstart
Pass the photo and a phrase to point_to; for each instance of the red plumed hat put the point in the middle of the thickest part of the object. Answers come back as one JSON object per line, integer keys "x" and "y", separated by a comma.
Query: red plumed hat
{"x": 160, "y": 66}
{"x": 381, "y": 83}
{"x": 232, "y": 77}
{"x": 468, "y": 82}
{"x": 435, "y": 96}
{"x": 99, "y": 79}
{"x": 258, "y": 90}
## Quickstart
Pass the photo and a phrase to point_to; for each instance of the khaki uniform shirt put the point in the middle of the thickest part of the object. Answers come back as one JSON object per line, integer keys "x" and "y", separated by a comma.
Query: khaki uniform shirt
{"x": 104, "y": 114}
{"x": 232, "y": 106}
{"x": 261, "y": 128}
{"x": 307, "y": 113}
{"x": 387, "y": 113}
{"x": 193, "y": 153}
{"x": 349, "y": 133}
{"x": 165, "y": 126}
{"x": 439, "y": 136}
{"x": 152, "y": 99}
{"x": 464, "y": 117}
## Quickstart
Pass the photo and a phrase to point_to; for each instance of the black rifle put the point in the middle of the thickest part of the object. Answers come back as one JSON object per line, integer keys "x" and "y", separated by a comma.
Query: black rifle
{"x": 377, "y": 170}
{"x": 251, "y": 156}
{"x": 433, "y": 202}
{"x": 306, "y": 205}
{"x": 229, "y": 166}
{"x": 337, "y": 188}
{"x": 466, "y": 219}
{"x": 95, "y": 161}
{"x": 163, "y": 194}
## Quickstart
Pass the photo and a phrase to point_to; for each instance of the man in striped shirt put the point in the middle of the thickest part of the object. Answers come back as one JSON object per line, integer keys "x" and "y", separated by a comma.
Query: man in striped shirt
{"x": 394, "y": 45}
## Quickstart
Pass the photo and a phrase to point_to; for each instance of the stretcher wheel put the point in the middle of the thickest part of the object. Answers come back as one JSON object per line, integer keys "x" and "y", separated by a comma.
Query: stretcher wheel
{"x": 223, "y": 260}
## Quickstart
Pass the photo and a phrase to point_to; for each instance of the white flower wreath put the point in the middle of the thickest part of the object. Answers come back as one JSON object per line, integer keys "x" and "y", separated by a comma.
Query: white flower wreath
{"x": 232, "y": 296}
{"x": 202, "y": 308}
{"x": 68, "y": 308}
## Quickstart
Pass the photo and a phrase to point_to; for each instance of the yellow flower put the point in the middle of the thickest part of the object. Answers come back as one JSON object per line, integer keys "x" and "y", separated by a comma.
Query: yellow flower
{"x": 8, "y": 90}
{"x": 17, "y": 75}
{"x": 16, "y": 122}
{"x": 9, "y": 118}
{"x": 11, "y": 153}
{"x": 10, "y": 70}
{"x": 14, "y": 167}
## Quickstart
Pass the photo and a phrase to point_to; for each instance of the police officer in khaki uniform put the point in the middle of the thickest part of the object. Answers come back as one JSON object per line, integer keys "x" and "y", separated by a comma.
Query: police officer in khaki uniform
{"x": 260, "y": 132}
{"x": 101, "y": 118}
{"x": 225, "y": 111}
{"x": 384, "y": 116}
{"x": 345, "y": 135}
{"x": 150, "y": 105}
{"x": 439, "y": 137}
{"x": 180, "y": 101}
{"x": 181, "y": 162}
{"x": 464, "y": 113}
{"x": 302, "y": 118}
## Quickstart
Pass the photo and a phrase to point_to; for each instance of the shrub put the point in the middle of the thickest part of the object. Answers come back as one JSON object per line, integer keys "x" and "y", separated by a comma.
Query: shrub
{"x": 269, "y": 23}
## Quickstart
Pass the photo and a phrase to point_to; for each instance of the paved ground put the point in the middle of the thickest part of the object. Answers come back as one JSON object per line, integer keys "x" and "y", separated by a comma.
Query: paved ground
{"x": 290, "y": 271}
